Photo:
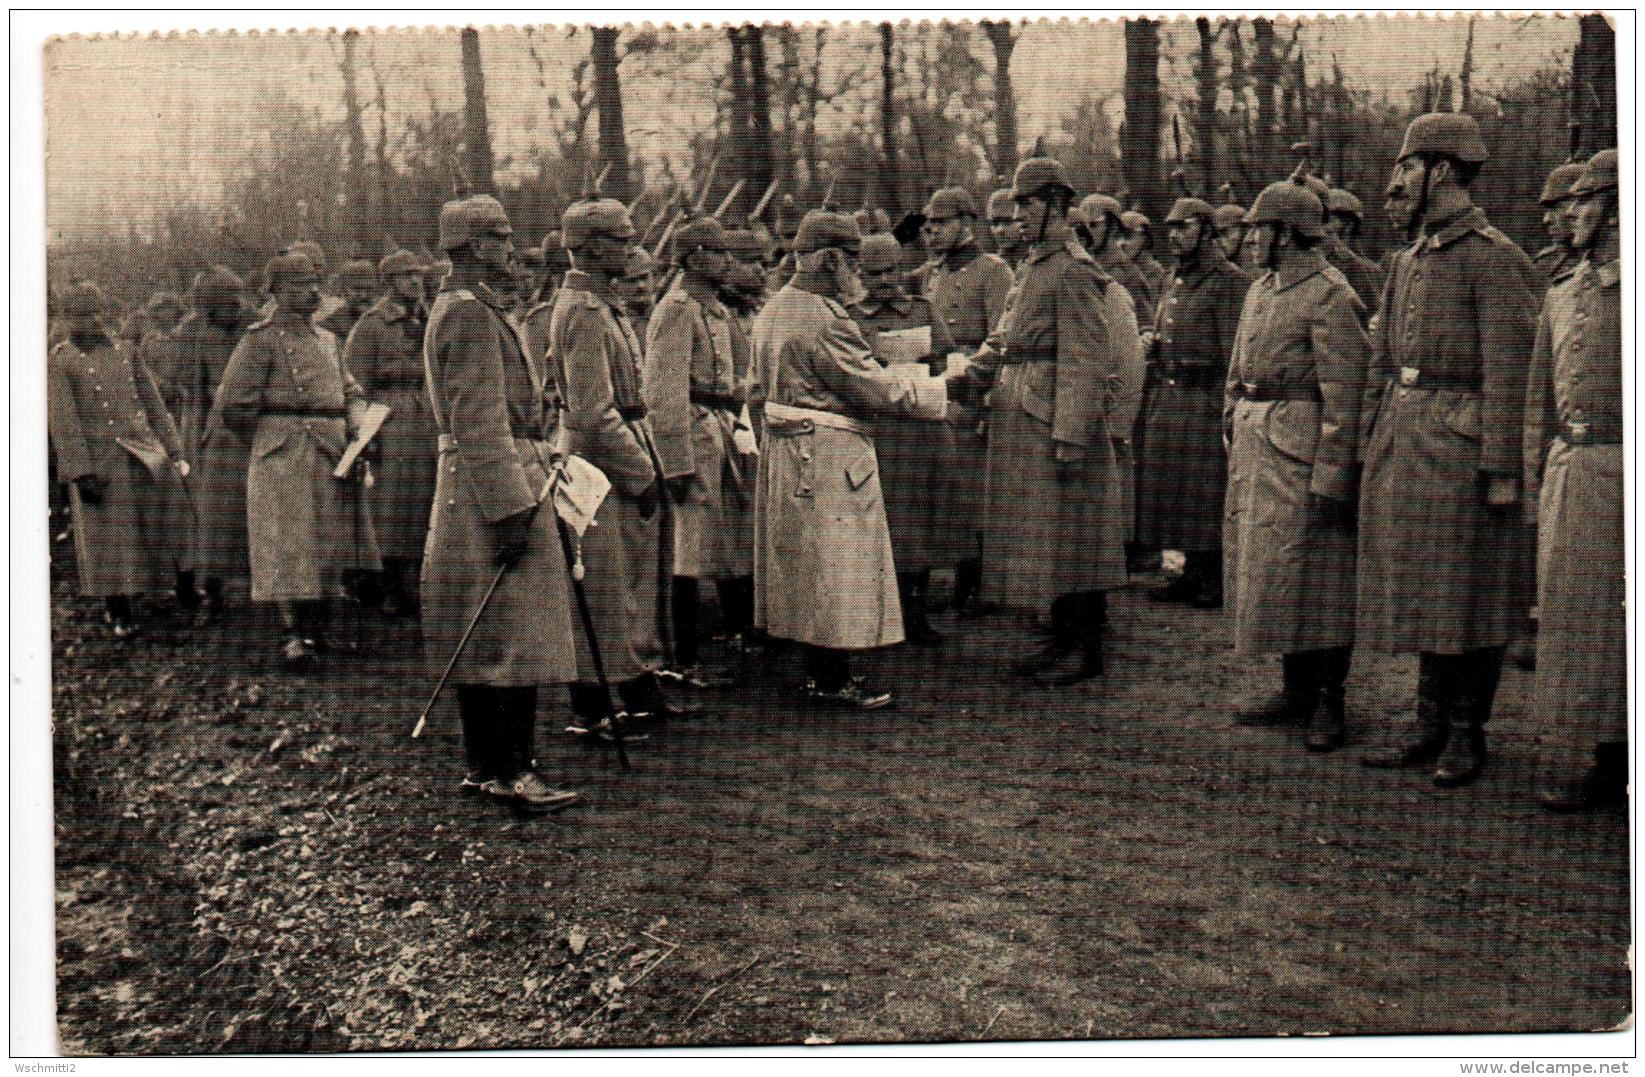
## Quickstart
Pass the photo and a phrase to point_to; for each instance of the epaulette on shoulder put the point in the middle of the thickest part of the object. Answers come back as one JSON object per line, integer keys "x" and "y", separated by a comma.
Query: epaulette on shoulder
{"x": 264, "y": 324}
{"x": 1564, "y": 276}
{"x": 835, "y": 307}
{"x": 464, "y": 293}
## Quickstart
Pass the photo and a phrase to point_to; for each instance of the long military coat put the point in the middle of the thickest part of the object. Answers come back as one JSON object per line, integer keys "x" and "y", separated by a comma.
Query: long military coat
{"x": 696, "y": 383}
{"x": 1292, "y": 404}
{"x": 195, "y": 357}
{"x": 1363, "y": 275}
{"x": 915, "y": 455}
{"x": 1439, "y": 571}
{"x": 103, "y": 412}
{"x": 384, "y": 353}
{"x": 1182, "y": 477}
{"x": 968, "y": 289}
{"x": 286, "y": 391}
{"x": 1069, "y": 384}
{"x": 1573, "y": 475}
{"x": 823, "y": 568}
{"x": 487, "y": 400}
{"x": 629, "y": 560}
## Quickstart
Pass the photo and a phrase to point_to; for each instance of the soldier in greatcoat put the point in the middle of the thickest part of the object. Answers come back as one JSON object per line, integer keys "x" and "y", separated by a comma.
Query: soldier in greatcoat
{"x": 1230, "y": 223}
{"x": 823, "y": 570}
{"x": 1573, "y": 484}
{"x": 1444, "y": 558}
{"x": 360, "y": 287}
{"x": 629, "y": 550}
{"x": 696, "y": 388}
{"x": 492, "y": 527}
{"x": 1560, "y": 256}
{"x": 915, "y": 456}
{"x": 289, "y": 397}
{"x": 1344, "y": 216}
{"x": 384, "y": 352}
{"x": 638, "y": 285}
{"x": 116, "y": 446}
{"x": 1182, "y": 480}
{"x": 1137, "y": 244}
{"x": 1065, "y": 366}
{"x": 1291, "y": 414}
{"x": 1100, "y": 228}
{"x": 967, "y": 286}
{"x": 1004, "y": 228}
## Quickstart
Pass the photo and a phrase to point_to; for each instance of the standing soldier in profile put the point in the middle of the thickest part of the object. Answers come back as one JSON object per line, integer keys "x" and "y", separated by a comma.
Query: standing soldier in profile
{"x": 115, "y": 444}
{"x": 385, "y": 354}
{"x": 1444, "y": 560}
{"x": 823, "y": 570}
{"x": 1291, "y": 415}
{"x": 629, "y": 550}
{"x": 1065, "y": 365}
{"x": 492, "y": 514}
{"x": 288, "y": 395}
{"x": 1004, "y": 228}
{"x": 1560, "y": 256}
{"x": 744, "y": 287}
{"x": 360, "y": 285}
{"x": 1138, "y": 245}
{"x": 1181, "y": 482}
{"x": 968, "y": 288}
{"x": 1344, "y": 216}
{"x": 1230, "y": 224}
{"x": 1573, "y": 481}
{"x": 529, "y": 272}
{"x": 1098, "y": 225}
{"x": 696, "y": 387}
{"x": 915, "y": 456}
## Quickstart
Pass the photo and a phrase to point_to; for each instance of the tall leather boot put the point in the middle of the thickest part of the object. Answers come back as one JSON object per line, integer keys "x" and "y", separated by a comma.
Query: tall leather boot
{"x": 1084, "y": 660}
{"x": 1208, "y": 575}
{"x": 685, "y": 622}
{"x": 1473, "y": 688}
{"x": 1295, "y": 701}
{"x": 1063, "y": 639}
{"x": 477, "y": 707}
{"x": 1422, "y": 741}
{"x": 916, "y": 608}
{"x": 1327, "y": 727}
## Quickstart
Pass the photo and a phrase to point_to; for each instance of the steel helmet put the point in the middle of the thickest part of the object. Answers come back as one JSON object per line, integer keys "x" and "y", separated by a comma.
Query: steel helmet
{"x": 1445, "y": 134}
{"x": 826, "y": 228}
{"x": 1598, "y": 175}
{"x": 465, "y": 218}
{"x": 1037, "y": 175}
{"x": 1290, "y": 204}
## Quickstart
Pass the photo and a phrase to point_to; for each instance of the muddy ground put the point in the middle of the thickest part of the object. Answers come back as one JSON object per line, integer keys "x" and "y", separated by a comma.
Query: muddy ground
{"x": 252, "y": 861}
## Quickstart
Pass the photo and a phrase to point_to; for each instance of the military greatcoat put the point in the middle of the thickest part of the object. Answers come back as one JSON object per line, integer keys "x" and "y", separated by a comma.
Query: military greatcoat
{"x": 488, "y": 410}
{"x": 1182, "y": 479}
{"x": 1291, "y": 405}
{"x": 1363, "y": 275}
{"x": 915, "y": 455}
{"x": 968, "y": 289}
{"x": 1069, "y": 384}
{"x": 287, "y": 393}
{"x": 628, "y": 558}
{"x": 1439, "y": 570}
{"x": 196, "y": 356}
{"x": 1573, "y": 477}
{"x": 823, "y": 569}
{"x": 696, "y": 384}
{"x": 105, "y": 417}
{"x": 385, "y": 354}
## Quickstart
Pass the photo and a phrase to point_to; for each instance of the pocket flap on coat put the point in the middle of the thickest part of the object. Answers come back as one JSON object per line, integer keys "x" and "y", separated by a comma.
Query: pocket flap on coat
{"x": 861, "y": 470}
{"x": 1463, "y": 418}
{"x": 1293, "y": 429}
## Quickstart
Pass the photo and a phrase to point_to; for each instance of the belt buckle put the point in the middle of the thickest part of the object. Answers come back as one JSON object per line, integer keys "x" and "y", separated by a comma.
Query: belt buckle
{"x": 1409, "y": 376}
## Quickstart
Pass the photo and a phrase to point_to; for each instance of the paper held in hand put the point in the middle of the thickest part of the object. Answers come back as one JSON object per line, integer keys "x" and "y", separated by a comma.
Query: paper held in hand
{"x": 958, "y": 364}
{"x": 581, "y": 491}
{"x": 370, "y": 423}
{"x": 899, "y": 346}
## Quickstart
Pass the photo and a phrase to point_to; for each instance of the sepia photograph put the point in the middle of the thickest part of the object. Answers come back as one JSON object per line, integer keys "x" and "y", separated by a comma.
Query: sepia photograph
{"x": 1055, "y": 528}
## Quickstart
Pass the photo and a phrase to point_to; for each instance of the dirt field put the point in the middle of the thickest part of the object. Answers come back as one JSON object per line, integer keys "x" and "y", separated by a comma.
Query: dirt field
{"x": 249, "y": 861}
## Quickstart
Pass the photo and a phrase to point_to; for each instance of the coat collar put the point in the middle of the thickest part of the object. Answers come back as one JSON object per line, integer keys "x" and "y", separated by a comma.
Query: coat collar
{"x": 599, "y": 287}
{"x": 903, "y": 305}
{"x": 1294, "y": 272}
{"x": 1453, "y": 228}
{"x": 703, "y": 292}
{"x": 961, "y": 256}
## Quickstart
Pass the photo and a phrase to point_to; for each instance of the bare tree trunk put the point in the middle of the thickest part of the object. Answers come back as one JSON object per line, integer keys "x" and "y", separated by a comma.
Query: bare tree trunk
{"x": 1140, "y": 138}
{"x": 1265, "y": 75}
{"x": 736, "y": 158}
{"x": 763, "y": 153}
{"x": 1465, "y": 80}
{"x": 608, "y": 100}
{"x": 1205, "y": 133}
{"x": 381, "y": 234}
{"x": 1004, "y": 40}
{"x": 889, "y": 179}
{"x": 359, "y": 210}
{"x": 476, "y": 132}
{"x": 1593, "y": 87}
{"x": 788, "y": 74}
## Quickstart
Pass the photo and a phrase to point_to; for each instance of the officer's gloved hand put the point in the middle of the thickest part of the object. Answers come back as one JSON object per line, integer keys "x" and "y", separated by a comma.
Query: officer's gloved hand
{"x": 511, "y": 536}
{"x": 1331, "y": 511}
{"x": 1501, "y": 494}
{"x": 679, "y": 488}
{"x": 937, "y": 363}
{"x": 646, "y": 503}
{"x": 92, "y": 488}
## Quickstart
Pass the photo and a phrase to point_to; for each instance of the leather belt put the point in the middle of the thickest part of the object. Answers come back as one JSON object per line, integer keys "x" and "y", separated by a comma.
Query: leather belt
{"x": 785, "y": 420}
{"x": 1245, "y": 390}
{"x": 1583, "y": 433}
{"x": 716, "y": 400}
{"x": 1016, "y": 359}
{"x": 1411, "y": 377}
{"x": 297, "y": 412}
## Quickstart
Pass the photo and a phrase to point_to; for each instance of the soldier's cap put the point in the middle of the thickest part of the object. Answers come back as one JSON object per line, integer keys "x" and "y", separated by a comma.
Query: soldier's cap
{"x": 1445, "y": 134}
{"x": 530, "y": 256}
{"x": 1229, "y": 215}
{"x": 398, "y": 263}
{"x": 640, "y": 263}
{"x": 946, "y": 203}
{"x": 1095, "y": 206}
{"x": 880, "y": 252}
{"x": 358, "y": 271}
{"x": 823, "y": 229}
{"x": 700, "y": 234}
{"x": 1599, "y": 175}
{"x": 1558, "y": 185}
{"x": 165, "y": 299}
{"x": 583, "y": 221}
{"x": 216, "y": 285}
{"x": 83, "y": 298}
{"x": 309, "y": 249}
{"x": 1338, "y": 200}
{"x": 745, "y": 244}
{"x": 290, "y": 268}
{"x": 1038, "y": 175}
{"x": 1000, "y": 205}
{"x": 1291, "y": 204}
{"x": 1135, "y": 222}
{"x": 1187, "y": 209}
{"x": 463, "y": 219}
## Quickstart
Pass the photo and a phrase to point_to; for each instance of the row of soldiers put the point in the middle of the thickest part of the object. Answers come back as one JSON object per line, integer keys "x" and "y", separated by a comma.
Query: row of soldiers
{"x": 1345, "y": 451}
